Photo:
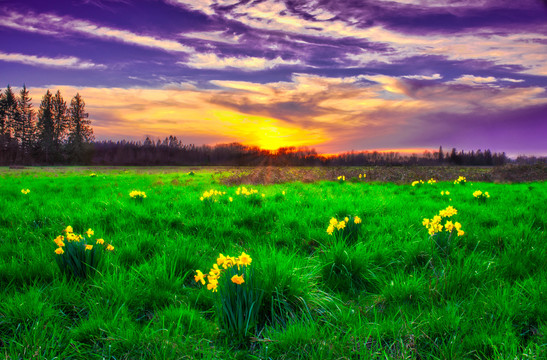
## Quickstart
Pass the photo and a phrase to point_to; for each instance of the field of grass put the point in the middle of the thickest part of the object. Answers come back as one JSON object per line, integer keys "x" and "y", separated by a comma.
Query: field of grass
{"x": 391, "y": 293}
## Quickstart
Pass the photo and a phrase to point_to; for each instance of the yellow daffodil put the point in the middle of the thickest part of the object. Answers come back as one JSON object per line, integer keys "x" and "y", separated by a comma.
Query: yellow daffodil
{"x": 215, "y": 271}
{"x": 110, "y": 247}
{"x": 244, "y": 259}
{"x": 238, "y": 279}
{"x": 212, "y": 285}
{"x": 100, "y": 241}
{"x": 69, "y": 229}
{"x": 221, "y": 259}
{"x": 199, "y": 277}
{"x": 59, "y": 251}
{"x": 59, "y": 241}
{"x": 89, "y": 232}
{"x": 341, "y": 225}
{"x": 89, "y": 247}
{"x": 357, "y": 220}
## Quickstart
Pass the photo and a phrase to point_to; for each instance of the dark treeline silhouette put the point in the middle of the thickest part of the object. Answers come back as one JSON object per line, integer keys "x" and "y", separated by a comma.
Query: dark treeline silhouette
{"x": 60, "y": 134}
{"x": 171, "y": 151}
{"x": 54, "y": 134}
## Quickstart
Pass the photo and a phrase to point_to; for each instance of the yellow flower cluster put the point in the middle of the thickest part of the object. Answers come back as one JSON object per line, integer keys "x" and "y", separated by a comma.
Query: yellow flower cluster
{"x": 223, "y": 263}
{"x": 362, "y": 176}
{"x": 25, "y": 191}
{"x": 93, "y": 175}
{"x": 417, "y": 182}
{"x": 431, "y": 181}
{"x": 445, "y": 193}
{"x": 481, "y": 195}
{"x": 136, "y": 194}
{"x": 341, "y": 178}
{"x": 434, "y": 225}
{"x": 460, "y": 180}
{"x": 208, "y": 195}
{"x": 244, "y": 191}
{"x": 340, "y": 225}
{"x": 72, "y": 237}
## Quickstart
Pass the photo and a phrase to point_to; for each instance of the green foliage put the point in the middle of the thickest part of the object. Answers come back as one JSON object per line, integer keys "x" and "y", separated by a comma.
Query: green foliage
{"x": 392, "y": 293}
{"x": 238, "y": 305}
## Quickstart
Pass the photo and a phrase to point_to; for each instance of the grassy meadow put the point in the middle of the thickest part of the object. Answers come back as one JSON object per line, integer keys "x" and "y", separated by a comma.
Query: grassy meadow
{"x": 389, "y": 292}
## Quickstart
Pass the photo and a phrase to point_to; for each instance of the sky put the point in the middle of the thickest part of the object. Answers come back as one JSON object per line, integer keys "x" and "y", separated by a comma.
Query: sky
{"x": 334, "y": 75}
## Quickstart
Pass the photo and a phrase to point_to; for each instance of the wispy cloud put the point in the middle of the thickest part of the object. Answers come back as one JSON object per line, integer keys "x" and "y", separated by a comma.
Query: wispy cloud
{"x": 69, "y": 62}
{"x": 423, "y": 77}
{"x": 206, "y": 6}
{"x": 61, "y": 25}
{"x": 215, "y": 36}
{"x": 473, "y": 80}
{"x": 245, "y": 63}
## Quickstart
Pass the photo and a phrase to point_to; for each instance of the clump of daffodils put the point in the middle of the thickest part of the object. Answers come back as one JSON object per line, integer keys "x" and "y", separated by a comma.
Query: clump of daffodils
{"x": 212, "y": 195}
{"x": 224, "y": 263}
{"x": 251, "y": 195}
{"x": 246, "y": 192}
{"x": 92, "y": 175}
{"x": 362, "y": 176}
{"x": 238, "y": 298}
{"x": 461, "y": 180}
{"x": 431, "y": 181}
{"x": 443, "y": 193}
{"x": 341, "y": 179}
{"x": 418, "y": 183}
{"x": 481, "y": 196}
{"x": 137, "y": 195}
{"x": 440, "y": 222}
{"x": 25, "y": 191}
{"x": 345, "y": 229}
{"x": 79, "y": 255}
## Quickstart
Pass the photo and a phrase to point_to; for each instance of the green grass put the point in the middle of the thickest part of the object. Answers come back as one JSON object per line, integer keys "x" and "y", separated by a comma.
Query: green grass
{"x": 392, "y": 294}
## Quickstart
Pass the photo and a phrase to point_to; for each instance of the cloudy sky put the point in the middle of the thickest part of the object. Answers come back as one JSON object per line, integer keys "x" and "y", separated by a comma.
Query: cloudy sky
{"x": 336, "y": 75}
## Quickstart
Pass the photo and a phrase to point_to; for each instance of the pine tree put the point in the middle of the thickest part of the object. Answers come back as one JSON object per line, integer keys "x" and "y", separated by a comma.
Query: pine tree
{"x": 46, "y": 129}
{"x": 80, "y": 132}
{"x": 441, "y": 154}
{"x": 7, "y": 117}
{"x": 60, "y": 121}
{"x": 25, "y": 127}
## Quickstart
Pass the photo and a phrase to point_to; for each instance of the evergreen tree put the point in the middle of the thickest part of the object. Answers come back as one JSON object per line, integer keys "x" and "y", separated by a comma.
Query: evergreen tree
{"x": 45, "y": 127}
{"x": 24, "y": 126}
{"x": 441, "y": 154}
{"x": 7, "y": 118}
{"x": 80, "y": 133}
{"x": 60, "y": 121}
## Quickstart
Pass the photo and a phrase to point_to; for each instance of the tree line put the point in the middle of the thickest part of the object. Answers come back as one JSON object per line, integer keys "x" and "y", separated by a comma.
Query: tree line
{"x": 171, "y": 151}
{"x": 55, "y": 134}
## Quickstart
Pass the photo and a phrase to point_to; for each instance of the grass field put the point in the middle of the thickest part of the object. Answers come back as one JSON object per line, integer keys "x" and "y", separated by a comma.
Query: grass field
{"x": 391, "y": 293}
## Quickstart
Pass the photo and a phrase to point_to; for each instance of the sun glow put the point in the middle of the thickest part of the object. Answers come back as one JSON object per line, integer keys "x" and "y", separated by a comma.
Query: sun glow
{"x": 267, "y": 133}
